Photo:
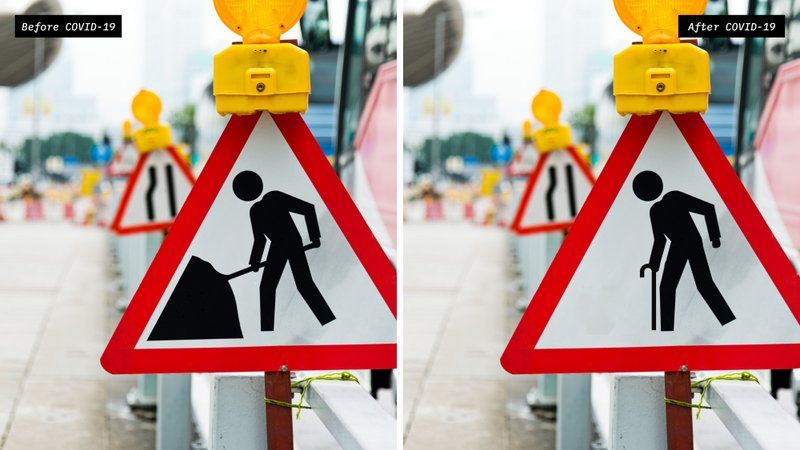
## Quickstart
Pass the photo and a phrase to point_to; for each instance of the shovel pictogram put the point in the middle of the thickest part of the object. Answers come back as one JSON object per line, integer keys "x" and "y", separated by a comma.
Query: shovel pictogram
{"x": 203, "y": 305}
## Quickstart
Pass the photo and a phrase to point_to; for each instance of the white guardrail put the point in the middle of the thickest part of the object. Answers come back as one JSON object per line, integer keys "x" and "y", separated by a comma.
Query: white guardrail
{"x": 227, "y": 410}
{"x": 754, "y": 419}
{"x": 628, "y": 410}
{"x": 354, "y": 419}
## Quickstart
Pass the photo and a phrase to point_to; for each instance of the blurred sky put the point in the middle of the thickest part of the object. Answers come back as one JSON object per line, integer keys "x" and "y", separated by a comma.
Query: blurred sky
{"x": 112, "y": 71}
{"x": 506, "y": 46}
{"x": 506, "y": 42}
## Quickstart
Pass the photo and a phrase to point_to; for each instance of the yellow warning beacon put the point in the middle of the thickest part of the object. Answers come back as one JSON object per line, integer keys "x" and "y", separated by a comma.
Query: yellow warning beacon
{"x": 553, "y": 135}
{"x": 146, "y": 107}
{"x": 661, "y": 73}
{"x": 127, "y": 131}
{"x": 261, "y": 73}
{"x": 527, "y": 131}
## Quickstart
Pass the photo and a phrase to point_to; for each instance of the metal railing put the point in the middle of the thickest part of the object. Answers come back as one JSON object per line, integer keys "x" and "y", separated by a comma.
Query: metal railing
{"x": 754, "y": 419}
{"x": 752, "y": 416}
{"x": 353, "y": 418}
{"x": 628, "y": 409}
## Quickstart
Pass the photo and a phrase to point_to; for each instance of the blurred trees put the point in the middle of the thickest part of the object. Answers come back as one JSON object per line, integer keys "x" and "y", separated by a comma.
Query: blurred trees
{"x": 63, "y": 144}
{"x": 582, "y": 121}
{"x": 467, "y": 144}
{"x": 182, "y": 121}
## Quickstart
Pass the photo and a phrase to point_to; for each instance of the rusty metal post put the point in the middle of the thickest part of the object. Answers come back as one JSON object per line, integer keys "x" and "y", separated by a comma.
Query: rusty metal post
{"x": 678, "y": 386}
{"x": 278, "y": 386}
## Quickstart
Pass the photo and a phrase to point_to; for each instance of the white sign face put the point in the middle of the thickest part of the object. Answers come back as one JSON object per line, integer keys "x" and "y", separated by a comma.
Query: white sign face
{"x": 556, "y": 190}
{"x": 155, "y": 193}
{"x": 269, "y": 211}
{"x": 721, "y": 295}
{"x": 668, "y": 264}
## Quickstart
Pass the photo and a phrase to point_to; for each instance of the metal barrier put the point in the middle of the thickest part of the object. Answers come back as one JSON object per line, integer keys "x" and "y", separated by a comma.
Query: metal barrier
{"x": 752, "y": 416}
{"x": 133, "y": 254}
{"x": 228, "y": 410}
{"x": 533, "y": 255}
{"x": 169, "y": 392}
{"x": 748, "y": 412}
{"x": 352, "y": 417}
{"x": 636, "y": 417}
{"x": 637, "y": 413}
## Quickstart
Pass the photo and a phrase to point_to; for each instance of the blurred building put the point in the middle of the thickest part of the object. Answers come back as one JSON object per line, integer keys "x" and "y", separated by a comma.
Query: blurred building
{"x": 59, "y": 107}
{"x": 576, "y": 54}
{"x": 19, "y": 55}
{"x": 175, "y": 62}
{"x": 460, "y": 108}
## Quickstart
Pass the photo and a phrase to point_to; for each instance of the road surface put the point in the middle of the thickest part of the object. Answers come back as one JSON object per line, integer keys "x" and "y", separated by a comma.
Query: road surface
{"x": 458, "y": 317}
{"x": 55, "y": 319}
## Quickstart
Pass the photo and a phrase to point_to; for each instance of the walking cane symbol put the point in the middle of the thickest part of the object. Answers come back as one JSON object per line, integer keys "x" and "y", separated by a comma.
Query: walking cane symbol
{"x": 653, "y": 298}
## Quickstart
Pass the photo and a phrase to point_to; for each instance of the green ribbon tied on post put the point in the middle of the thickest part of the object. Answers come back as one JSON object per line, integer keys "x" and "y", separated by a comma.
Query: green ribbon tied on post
{"x": 705, "y": 383}
{"x": 305, "y": 383}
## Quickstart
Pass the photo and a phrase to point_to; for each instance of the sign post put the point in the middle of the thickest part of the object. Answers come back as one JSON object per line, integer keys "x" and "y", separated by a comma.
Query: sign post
{"x": 645, "y": 81}
{"x": 264, "y": 89}
{"x": 678, "y": 386}
{"x": 278, "y": 386}
{"x": 269, "y": 266}
{"x": 668, "y": 204}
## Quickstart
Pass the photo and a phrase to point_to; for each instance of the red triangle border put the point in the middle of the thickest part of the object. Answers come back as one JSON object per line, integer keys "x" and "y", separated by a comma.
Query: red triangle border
{"x": 116, "y": 223}
{"x": 521, "y": 356}
{"x": 533, "y": 178}
{"x": 121, "y": 356}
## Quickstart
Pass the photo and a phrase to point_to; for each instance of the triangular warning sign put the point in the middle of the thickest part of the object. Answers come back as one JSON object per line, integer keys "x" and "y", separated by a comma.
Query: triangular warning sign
{"x": 669, "y": 263}
{"x": 268, "y": 264}
{"x": 556, "y": 189}
{"x": 156, "y": 189}
{"x": 523, "y": 162}
{"x": 123, "y": 162}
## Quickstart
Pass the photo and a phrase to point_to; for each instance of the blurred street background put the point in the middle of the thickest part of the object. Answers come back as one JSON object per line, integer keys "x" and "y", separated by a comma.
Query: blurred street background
{"x": 471, "y": 71}
{"x": 66, "y": 279}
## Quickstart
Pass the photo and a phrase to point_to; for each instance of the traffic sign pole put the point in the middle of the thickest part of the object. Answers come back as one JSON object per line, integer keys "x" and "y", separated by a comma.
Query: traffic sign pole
{"x": 645, "y": 83}
{"x": 678, "y": 386}
{"x": 245, "y": 83}
{"x": 593, "y": 310}
{"x": 189, "y": 315}
{"x": 278, "y": 386}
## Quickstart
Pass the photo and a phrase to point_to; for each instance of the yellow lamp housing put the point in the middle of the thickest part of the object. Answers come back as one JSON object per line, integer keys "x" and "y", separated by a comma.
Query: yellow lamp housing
{"x": 146, "y": 107}
{"x": 262, "y": 77}
{"x": 546, "y": 107}
{"x": 662, "y": 73}
{"x": 662, "y": 77}
{"x": 552, "y": 138}
{"x": 261, "y": 73}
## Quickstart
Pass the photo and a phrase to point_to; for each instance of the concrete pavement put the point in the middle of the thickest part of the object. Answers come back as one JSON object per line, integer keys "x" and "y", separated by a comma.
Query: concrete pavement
{"x": 457, "y": 318}
{"x": 55, "y": 319}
